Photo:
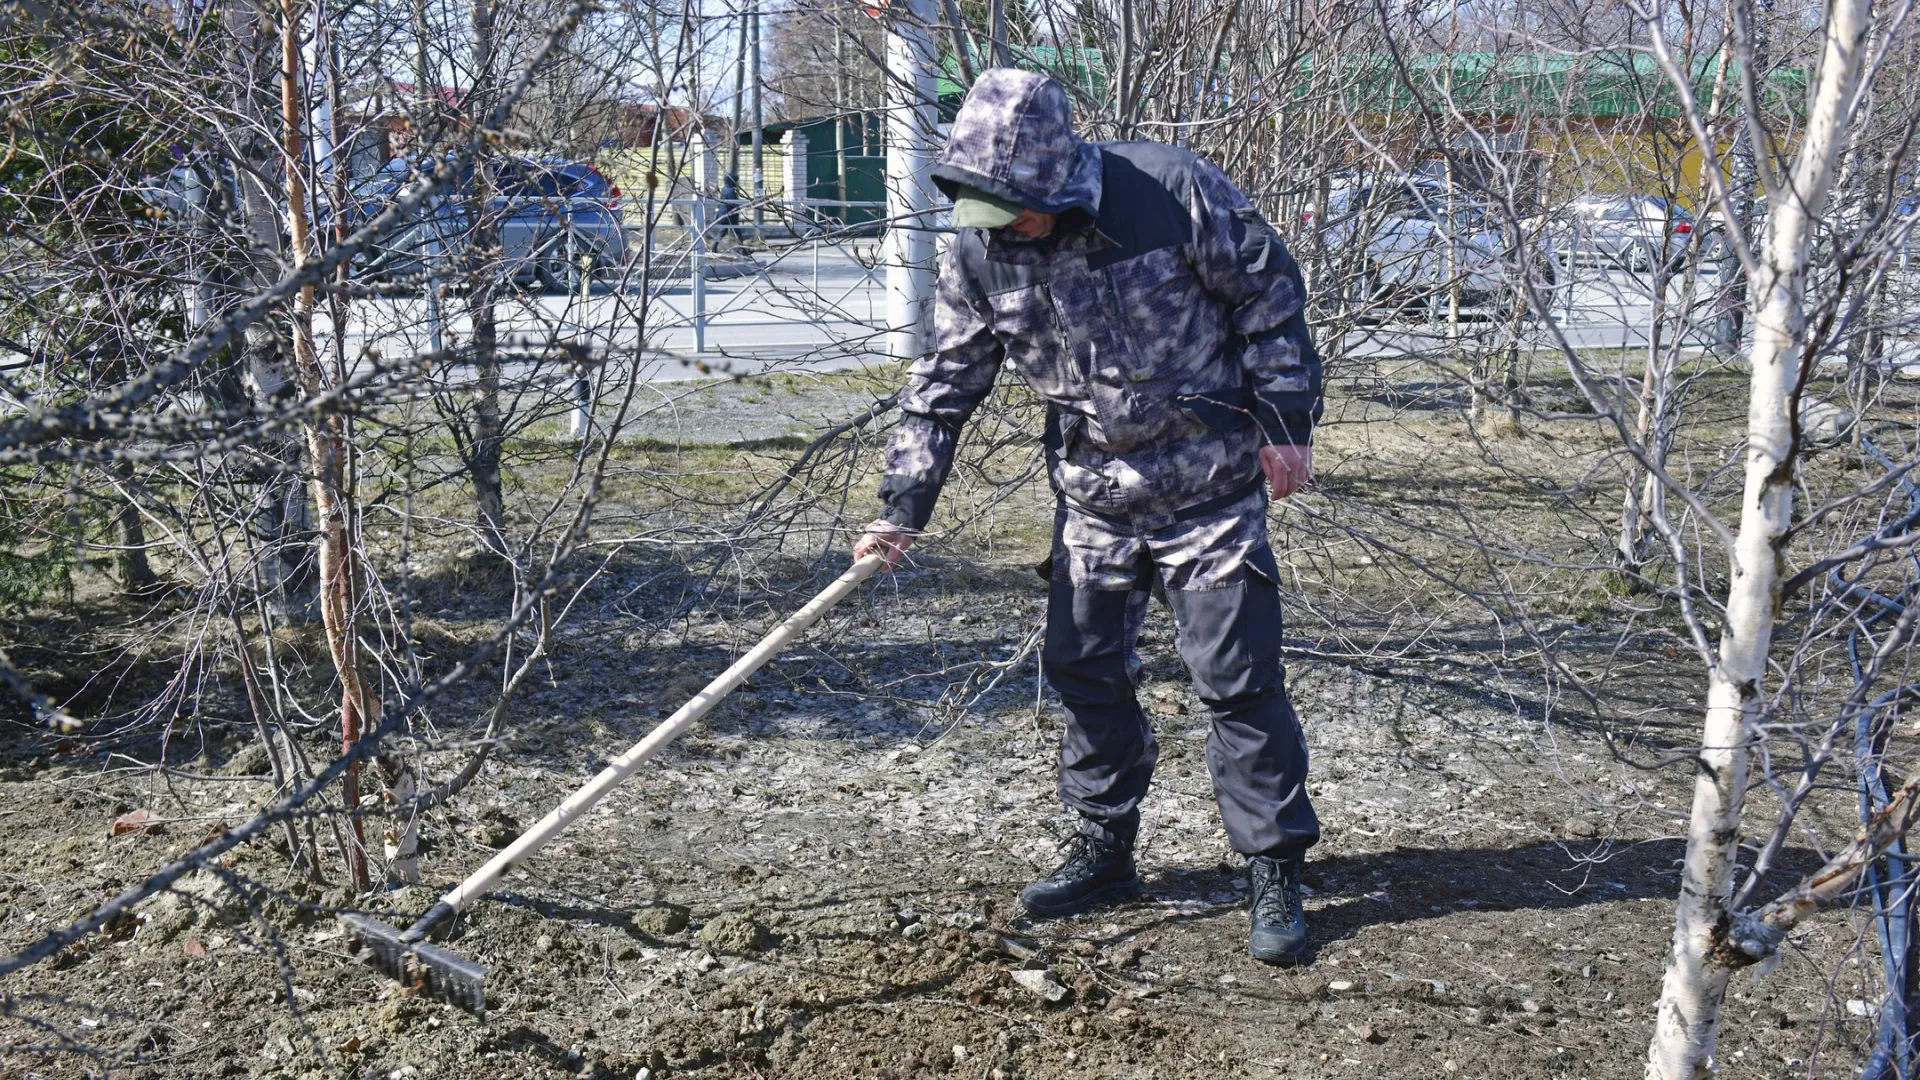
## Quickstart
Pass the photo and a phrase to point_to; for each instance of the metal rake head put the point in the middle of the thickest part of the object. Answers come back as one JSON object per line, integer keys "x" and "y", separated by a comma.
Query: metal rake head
{"x": 440, "y": 972}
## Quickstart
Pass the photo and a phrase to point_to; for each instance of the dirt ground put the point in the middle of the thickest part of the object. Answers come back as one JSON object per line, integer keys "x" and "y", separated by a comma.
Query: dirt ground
{"x": 820, "y": 881}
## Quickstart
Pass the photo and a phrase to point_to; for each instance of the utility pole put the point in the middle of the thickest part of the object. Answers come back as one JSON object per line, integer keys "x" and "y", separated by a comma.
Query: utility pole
{"x": 739, "y": 104}
{"x": 759, "y": 132}
{"x": 728, "y": 227}
{"x": 911, "y": 129}
{"x": 843, "y": 100}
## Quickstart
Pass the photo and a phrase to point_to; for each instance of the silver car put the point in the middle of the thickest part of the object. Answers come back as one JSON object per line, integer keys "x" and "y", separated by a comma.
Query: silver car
{"x": 1406, "y": 243}
{"x": 1629, "y": 232}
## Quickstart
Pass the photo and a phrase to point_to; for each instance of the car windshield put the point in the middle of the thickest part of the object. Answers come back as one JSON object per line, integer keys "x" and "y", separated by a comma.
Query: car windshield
{"x": 1403, "y": 199}
{"x": 551, "y": 180}
{"x": 1644, "y": 208}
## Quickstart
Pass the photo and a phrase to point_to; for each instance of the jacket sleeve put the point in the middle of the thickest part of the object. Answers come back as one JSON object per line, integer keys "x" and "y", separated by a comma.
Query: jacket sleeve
{"x": 943, "y": 388}
{"x": 1242, "y": 261}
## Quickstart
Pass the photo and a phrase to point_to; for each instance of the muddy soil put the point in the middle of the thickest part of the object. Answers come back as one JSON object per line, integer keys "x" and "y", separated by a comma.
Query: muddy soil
{"x": 820, "y": 881}
{"x": 813, "y": 885}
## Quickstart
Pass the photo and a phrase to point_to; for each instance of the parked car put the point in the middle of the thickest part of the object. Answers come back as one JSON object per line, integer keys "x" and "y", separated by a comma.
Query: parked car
{"x": 557, "y": 219}
{"x": 1630, "y": 232}
{"x": 1407, "y": 241}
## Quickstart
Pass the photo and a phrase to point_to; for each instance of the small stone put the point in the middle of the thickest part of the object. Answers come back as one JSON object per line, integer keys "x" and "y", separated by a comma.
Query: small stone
{"x": 914, "y": 931}
{"x": 965, "y": 920}
{"x": 1823, "y": 422}
{"x": 1040, "y": 984}
{"x": 705, "y": 962}
{"x": 959, "y": 1053}
{"x": 1450, "y": 1065}
{"x": 1530, "y": 1006}
{"x": 137, "y": 821}
{"x": 1340, "y": 986}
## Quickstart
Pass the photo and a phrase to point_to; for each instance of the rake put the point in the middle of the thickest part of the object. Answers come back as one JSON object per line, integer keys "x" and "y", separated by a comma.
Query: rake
{"x": 405, "y": 954}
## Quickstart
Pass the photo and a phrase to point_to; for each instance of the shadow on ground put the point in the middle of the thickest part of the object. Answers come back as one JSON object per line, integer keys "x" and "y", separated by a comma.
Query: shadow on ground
{"x": 1407, "y": 884}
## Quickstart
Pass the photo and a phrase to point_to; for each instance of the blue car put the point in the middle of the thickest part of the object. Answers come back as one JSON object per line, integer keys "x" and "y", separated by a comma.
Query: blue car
{"x": 557, "y": 220}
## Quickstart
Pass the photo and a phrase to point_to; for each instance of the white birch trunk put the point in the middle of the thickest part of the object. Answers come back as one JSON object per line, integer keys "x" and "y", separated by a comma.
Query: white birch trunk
{"x": 401, "y": 840}
{"x": 1695, "y": 982}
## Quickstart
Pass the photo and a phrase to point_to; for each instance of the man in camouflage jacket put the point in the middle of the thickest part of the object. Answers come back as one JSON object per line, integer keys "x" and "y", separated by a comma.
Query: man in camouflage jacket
{"x": 1136, "y": 289}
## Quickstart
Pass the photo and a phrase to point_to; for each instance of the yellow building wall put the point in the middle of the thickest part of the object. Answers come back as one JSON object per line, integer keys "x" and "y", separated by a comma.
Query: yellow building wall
{"x": 630, "y": 168}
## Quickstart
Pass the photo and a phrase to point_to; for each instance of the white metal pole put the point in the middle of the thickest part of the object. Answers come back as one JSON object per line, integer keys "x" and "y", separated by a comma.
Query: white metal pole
{"x": 700, "y": 272}
{"x": 911, "y": 131}
{"x": 759, "y": 128}
{"x": 320, "y": 113}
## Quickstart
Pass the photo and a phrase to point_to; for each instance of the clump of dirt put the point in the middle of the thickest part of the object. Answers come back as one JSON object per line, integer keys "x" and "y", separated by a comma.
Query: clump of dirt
{"x": 496, "y": 828}
{"x": 735, "y": 932}
{"x": 662, "y": 919}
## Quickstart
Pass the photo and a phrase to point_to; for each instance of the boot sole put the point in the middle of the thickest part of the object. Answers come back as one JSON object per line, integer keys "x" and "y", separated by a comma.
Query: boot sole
{"x": 1280, "y": 957}
{"x": 1106, "y": 894}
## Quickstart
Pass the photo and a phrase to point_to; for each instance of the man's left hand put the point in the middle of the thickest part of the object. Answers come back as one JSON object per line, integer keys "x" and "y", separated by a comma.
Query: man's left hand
{"x": 1288, "y": 468}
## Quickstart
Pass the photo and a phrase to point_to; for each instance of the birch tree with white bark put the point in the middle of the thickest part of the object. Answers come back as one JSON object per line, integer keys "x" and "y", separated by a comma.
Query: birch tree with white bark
{"x": 1785, "y": 345}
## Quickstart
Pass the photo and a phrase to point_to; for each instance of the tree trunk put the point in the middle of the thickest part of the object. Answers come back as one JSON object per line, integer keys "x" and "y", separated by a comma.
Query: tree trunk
{"x": 327, "y": 447}
{"x": 130, "y": 557}
{"x": 489, "y": 506}
{"x": 279, "y": 522}
{"x": 1633, "y": 546}
{"x": 1695, "y": 982}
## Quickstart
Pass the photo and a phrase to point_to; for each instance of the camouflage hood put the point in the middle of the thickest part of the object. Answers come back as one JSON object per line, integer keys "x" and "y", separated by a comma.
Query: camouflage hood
{"x": 1014, "y": 139}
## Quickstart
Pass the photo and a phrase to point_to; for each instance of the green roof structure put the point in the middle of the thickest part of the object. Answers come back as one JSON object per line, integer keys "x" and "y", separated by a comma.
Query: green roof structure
{"x": 1614, "y": 84}
{"x": 1610, "y": 85}
{"x": 1084, "y": 70}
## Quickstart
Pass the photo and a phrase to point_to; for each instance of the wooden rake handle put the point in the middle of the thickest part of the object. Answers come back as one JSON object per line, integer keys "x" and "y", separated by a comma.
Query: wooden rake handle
{"x": 623, "y": 766}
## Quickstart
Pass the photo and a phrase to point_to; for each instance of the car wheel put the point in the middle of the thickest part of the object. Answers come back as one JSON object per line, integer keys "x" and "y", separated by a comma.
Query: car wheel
{"x": 552, "y": 274}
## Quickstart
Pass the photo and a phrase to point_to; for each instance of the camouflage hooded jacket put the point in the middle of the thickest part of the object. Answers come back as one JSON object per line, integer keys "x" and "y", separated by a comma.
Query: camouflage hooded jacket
{"x": 1161, "y": 319}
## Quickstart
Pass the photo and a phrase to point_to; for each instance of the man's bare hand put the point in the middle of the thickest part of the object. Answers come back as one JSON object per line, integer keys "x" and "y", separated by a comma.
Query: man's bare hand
{"x": 885, "y": 538}
{"x": 1288, "y": 468}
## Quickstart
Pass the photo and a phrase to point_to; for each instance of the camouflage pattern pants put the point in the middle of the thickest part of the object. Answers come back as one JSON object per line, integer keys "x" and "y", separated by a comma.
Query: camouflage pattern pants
{"x": 1219, "y": 578}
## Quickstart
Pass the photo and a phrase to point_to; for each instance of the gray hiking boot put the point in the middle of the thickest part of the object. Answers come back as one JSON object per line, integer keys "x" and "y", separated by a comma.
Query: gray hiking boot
{"x": 1095, "y": 872}
{"x": 1279, "y": 933}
